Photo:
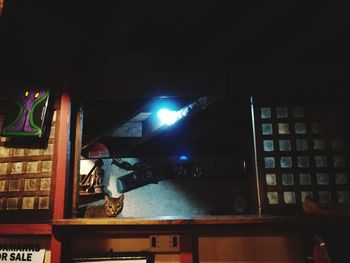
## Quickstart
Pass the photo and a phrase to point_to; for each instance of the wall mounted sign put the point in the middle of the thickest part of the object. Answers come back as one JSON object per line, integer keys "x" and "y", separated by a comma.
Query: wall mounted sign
{"x": 27, "y": 113}
{"x": 21, "y": 253}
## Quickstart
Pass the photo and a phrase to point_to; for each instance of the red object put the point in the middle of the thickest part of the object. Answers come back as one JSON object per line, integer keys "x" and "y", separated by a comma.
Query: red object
{"x": 98, "y": 150}
{"x": 60, "y": 171}
{"x": 320, "y": 254}
{"x": 186, "y": 249}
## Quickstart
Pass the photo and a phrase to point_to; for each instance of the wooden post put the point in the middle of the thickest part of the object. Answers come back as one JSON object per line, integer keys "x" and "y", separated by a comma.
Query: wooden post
{"x": 60, "y": 170}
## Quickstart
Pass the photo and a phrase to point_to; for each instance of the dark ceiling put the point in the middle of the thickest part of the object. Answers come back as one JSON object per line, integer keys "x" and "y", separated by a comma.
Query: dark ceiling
{"x": 262, "y": 43}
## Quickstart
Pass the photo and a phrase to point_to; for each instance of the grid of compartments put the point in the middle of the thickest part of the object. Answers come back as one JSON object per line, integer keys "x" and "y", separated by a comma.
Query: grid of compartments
{"x": 25, "y": 175}
{"x": 301, "y": 153}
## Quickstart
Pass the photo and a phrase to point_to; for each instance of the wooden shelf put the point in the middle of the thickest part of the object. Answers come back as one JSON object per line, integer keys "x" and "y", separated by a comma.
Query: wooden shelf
{"x": 210, "y": 220}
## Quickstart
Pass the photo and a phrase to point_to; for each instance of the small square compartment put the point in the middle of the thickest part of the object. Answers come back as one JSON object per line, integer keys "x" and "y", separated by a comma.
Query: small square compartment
{"x": 271, "y": 179}
{"x": 283, "y": 128}
{"x": 322, "y": 178}
{"x": 304, "y": 179}
{"x": 324, "y": 196}
{"x": 319, "y": 144}
{"x": 268, "y": 145}
{"x": 272, "y": 197}
{"x": 305, "y": 194}
{"x": 338, "y": 161}
{"x": 303, "y": 161}
{"x": 343, "y": 197}
{"x": 289, "y": 197}
{"x": 299, "y": 112}
{"x": 284, "y": 145}
{"x": 269, "y": 162}
{"x": 321, "y": 161}
{"x": 286, "y": 162}
{"x": 266, "y": 128}
{"x": 300, "y": 128}
{"x": 265, "y": 112}
{"x": 287, "y": 179}
{"x": 282, "y": 112}
{"x": 301, "y": 144}
{"x": 341, "y": 178}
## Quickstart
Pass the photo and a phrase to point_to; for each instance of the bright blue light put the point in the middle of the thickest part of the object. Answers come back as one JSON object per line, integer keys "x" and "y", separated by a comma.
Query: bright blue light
{"x": 183, "y": 158}
{"x": 168, "y": 117}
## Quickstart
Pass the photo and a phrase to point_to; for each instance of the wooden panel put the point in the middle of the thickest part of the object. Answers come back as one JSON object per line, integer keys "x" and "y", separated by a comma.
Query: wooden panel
{"x": 25, "y": 229}
{"x": 167, "y": 258}
{"x": 93, "y": 245}
{"x": 60, "y": 170}
{"x": 253, "y": 249}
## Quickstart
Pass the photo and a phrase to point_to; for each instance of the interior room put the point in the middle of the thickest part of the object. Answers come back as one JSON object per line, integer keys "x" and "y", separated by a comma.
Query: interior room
{"x": 174, "y": 132}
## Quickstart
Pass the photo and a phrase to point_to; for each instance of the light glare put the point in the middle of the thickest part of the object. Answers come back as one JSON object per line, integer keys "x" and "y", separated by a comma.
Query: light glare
{"x": 168, "y": 117}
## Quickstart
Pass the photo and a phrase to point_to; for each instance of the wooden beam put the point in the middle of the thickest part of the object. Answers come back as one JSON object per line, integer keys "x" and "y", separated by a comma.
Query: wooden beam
{"x": 60, "y": 170}
{"x": 25, "y": 229}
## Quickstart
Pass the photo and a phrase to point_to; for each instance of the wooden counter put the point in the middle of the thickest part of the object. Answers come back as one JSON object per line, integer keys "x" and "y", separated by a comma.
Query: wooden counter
{"x": 209, "y": 220}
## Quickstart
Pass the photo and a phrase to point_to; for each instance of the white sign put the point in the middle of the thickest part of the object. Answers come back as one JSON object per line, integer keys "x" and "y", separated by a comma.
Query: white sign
{"x": 21, "y": 253}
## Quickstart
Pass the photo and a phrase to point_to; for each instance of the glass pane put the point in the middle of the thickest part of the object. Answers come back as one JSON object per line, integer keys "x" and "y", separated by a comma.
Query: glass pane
{"x": 338, "y": 161}
{"x": 343, "y": 197}
{"x": 306, "y": 194}
{"x": 321, "y": 161}
{"x": 282, "y": 112}
{"x": 322, "y": 178}
{"x": 269, "y": 162}
{"x": 272, "y": 197}
{"x": 267, "y": 129}
{"x": 303, "y": 161}
{"x": 317, "y": 127}
{"x": 265, "y": 112}
{"x": 284, "y": 145}
{"x": 300, "y": 128}
{"x": 325, "y": 197}
{"x": 337, "y": 144}
{"x": 286, "y": 162}
{"x": 268, "y": 145}
{"x": 301, "y": 145}
{"x": 271, "y": 179}
{"x": 283, "y": 128}
{"x": 289, "y": 197}
{"x": 298, "y": 112}
{"x": 304, "y": 179}
{"x": 287, "y": 179}
{"x": 319, "y": 144}
{"x": 341, "y": 178}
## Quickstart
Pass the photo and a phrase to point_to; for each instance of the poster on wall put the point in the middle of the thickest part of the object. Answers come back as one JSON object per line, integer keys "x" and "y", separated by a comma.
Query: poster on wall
{"x": 27, "y": 113}
{"x": 16, "y": 252}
